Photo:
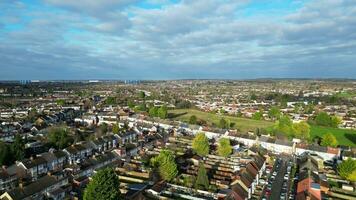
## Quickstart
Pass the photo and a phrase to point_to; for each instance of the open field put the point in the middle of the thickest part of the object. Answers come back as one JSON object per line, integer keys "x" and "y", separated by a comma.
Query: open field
{"x": 243, "y": 124}
{"x": 344, "y": 136}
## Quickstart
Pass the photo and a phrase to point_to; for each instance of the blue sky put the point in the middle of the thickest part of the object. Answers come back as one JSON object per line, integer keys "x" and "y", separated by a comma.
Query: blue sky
{"x": 177, "y": 39}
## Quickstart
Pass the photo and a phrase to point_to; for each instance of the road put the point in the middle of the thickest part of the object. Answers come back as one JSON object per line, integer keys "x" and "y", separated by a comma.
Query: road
{"x": 278, "y": 182}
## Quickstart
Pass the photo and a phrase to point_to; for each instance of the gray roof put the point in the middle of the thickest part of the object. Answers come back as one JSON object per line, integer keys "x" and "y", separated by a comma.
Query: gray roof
{"x": 33, "y": 188}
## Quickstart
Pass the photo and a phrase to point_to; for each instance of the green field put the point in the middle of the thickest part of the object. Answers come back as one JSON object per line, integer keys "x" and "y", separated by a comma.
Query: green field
{"x": 243, "y": 124}
{"x": 344, "y": 137}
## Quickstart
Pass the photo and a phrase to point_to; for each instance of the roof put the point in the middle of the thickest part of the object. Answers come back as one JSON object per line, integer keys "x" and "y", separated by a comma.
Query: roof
{"x": 49, "y": 157}
{"x": 239, "y": 191}
{"x": 30, "y": 163}
{"x": 59, "y": 154}
{"x": 33, "y": 188}
{"x": 284, "y": 142}
{"x": 251, "y": 169}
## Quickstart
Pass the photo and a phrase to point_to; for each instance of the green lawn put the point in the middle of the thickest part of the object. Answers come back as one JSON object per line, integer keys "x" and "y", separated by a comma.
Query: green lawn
{"x": 243, "y": 124}
{"x": 344, "y": 137}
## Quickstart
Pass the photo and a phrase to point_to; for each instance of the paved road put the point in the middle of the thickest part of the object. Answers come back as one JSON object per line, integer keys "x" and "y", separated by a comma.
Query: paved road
{"x": 278, "y": 182}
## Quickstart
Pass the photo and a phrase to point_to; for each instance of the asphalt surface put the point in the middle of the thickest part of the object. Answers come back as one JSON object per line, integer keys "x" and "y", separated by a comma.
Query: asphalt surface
{"x": 278, "y": 182}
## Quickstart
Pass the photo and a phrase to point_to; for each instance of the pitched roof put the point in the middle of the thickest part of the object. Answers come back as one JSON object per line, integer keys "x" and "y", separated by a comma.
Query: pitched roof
{"x": 33, "y": 188}
{"x": 30, "y": 163}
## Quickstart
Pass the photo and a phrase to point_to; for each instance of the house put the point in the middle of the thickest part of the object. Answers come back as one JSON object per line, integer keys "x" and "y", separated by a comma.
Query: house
{"x": 128, "y": 137}
{"x": 34, "y": 167}
{"x": 45, "y": 186}
{"x": 78, "y": 152}
{"x": 307, "y": 187}
{"x": 55, "y": 159}
{"x": 9, "y": 177}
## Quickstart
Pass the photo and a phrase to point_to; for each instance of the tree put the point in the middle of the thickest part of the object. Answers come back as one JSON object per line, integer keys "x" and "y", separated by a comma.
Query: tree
{"x": 130, "y": 104}
{"x": 335, "y": 121}
{"x": 284, "y": 126}
{"x": 142, "y": 107}
{"x": 224, "y": 147}
{"x": 18, "y": 148}
{"x": 329, "y": 140}
{"x": 142, "y": 94}
{"x": 153, "y": 111}
{"x": 224, "y": 124}
{"x": 60, "y": 102}
{"x": 103, "y": 128}
{"x": 202, "y": 181}
{"x": 323, "y": 119}
{"x": 347, "y": 169}
{"x": 257, "y": 115}
{"x": 193, "y": 119}
{"x": 274, "y": 113}
{"x": 188, "y": 181}
{"x": 200, "y": 144}
{"x": 166, "y": 164}
{"x": 110, "y": 100}
{"x": 59, "y": 138}
{"x": 6, "y": 157}
{"x": 302, "y": 130}
{"x": 163, "y": 112}
{"x": 104, "y": 186}
{"x": 115, "y": 129}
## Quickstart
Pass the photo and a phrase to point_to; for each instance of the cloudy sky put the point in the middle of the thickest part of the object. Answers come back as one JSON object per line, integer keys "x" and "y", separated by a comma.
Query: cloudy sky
{"x": 172, "y": 39}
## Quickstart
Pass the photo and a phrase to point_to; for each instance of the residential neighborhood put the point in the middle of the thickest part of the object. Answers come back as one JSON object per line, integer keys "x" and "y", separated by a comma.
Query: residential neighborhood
{"x": 53, "y": 144}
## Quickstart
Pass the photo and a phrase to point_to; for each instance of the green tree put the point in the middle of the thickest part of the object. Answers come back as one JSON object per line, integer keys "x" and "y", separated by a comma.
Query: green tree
{"x": 193, "y": 119}
{"x": 335, "y": 121}
{"x": 103, "y": 186}
{"x": 110, "y": 101}
{"x": 302, "y": 130}
{"x": 6, "y": 157}
{"x": 188, "y": 181}
{"x": 18, "y": 148}
{"x": 224, "y": 147}
{"x": 347, "y": 169}
{"x": 130, "y": 104}
{"x": 163, "y": 112}
{"x": 103, "y": 128}
{"x": 200, "y": 144}
{"x": 224, "y": 124}
{"x": 142, "y": 107}
{"x": 274, "y": 113}
{"x": 329, "y": 140}
{"x": 153, "y": 111}
{"x": 284, "y": 126}
{"x": 257, "y": 115}
{"x": 142, "y": 94}
{"x": 59, "y": 138}
{"x": 323, "y": 119}
{"x": 202, "y": 181}
{"x": 115, "y": 129}
{"x": 60, "y": 102}
{"x": 166, "y": 164}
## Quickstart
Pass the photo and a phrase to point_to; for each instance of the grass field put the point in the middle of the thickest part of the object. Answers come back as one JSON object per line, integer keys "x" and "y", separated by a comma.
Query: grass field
{"x": 243, "y": 124}
{"x": 344, "y": 137}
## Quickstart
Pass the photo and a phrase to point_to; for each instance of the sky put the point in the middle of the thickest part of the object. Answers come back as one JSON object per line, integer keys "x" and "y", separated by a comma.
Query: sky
{"x": 177, "y": 39}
